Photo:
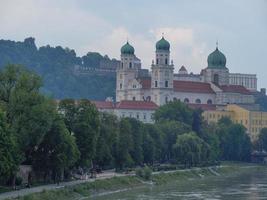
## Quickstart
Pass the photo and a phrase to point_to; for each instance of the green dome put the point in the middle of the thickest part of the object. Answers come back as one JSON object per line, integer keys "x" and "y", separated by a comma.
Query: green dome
{"x": 127, "y": 49}
{"x": 216, "y": 59}
{"x": 163, "y": 44}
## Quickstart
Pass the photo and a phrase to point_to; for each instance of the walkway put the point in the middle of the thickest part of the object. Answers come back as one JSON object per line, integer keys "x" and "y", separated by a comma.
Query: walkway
{"x": 26, "y": 191}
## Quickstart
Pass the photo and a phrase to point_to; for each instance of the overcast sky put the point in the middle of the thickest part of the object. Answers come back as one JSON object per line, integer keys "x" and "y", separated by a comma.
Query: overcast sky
{"x": 191, "y": 26}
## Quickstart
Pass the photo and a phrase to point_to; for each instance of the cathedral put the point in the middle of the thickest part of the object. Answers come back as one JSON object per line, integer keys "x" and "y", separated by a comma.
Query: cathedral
{"x": 214, "y": 85}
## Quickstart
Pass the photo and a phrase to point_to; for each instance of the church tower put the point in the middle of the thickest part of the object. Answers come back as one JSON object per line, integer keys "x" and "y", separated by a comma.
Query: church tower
{"x": 162, "y": 73}
{"x": 126, "y": 72}
{"x": 217, "y": 72}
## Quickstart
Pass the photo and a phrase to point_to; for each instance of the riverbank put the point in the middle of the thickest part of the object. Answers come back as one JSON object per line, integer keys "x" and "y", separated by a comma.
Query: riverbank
{"x": 117, "y": 184}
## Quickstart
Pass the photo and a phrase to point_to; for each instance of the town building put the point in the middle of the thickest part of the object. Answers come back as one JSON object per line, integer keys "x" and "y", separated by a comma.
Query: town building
{"x": 214, "y": 85}
{"x": 250, "y": 116}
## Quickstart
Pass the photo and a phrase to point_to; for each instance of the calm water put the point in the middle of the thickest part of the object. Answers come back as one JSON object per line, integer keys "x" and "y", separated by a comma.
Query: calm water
{"x": 252, "y": 186}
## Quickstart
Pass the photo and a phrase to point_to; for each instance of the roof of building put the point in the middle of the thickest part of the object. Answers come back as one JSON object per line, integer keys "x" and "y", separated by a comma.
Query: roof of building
{"x": 127, "y": 49}
{"x": 193, "y": 87}
{"x": 202, "y": 106}
{"x": 145, "y": 82}
{"x": 137, "y": 105}
{"x": 103, "y": 104}
{"x": 132, "y": 105}
{"x": 163, "y": 44}
{"x": 216, "y": 59}
{"x": 182, "y": 69}
{"x": 235, "y": 89}
{"x": 250, "y": 107}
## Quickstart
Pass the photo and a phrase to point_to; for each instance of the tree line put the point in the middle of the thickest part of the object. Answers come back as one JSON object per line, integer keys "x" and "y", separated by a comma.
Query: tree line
{"x": 59, "y": 138}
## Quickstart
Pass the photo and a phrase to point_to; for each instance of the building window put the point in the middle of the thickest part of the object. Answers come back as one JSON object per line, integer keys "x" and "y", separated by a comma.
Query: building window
{"x": 120, "y": 86}
{"x": 166, "y": 84}
{"x": 175, "y": 99}
{"x": 144, "y": 116}
{"x": 166, "y": 61}
{"x": 137, "y": 116}
{"x": 216, "y": 79}
{"x": 198, "y": 101}
{"x": 133, "y": 98}
{"x": 156, "y": 83}
{"x": 186, "y": 100}
{"x": 209, "y": 101}
{"x": 166, "y": 99}
{"x": 130, "y": 65}
{"x": 157, "y": 61}
{"x": 122, "y": 65}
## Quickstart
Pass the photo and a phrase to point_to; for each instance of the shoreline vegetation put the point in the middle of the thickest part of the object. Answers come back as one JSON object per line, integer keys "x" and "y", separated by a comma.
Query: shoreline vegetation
{"x": 105, "y": 187}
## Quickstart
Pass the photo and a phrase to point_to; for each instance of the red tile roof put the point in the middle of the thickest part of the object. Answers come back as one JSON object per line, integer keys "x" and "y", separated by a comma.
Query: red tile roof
{"x": 202, "y": 106}
{"x": 137, "y": 105}
{"x": 145, "y": 82}
{"x": 103, "y": 104}
{"x": 235, "y": 89}
{"x": 190, "y": 86}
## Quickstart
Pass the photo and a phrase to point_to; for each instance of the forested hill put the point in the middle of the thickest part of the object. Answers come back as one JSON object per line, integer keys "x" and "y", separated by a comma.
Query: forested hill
{"x": 55, "y": 65}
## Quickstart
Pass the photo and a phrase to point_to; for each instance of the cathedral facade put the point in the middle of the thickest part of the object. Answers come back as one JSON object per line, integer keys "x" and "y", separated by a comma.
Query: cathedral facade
{"x": 214, "y": 85}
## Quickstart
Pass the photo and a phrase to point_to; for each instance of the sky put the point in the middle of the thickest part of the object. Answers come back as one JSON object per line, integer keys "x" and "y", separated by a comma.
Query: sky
{"x": 191, "y": 26}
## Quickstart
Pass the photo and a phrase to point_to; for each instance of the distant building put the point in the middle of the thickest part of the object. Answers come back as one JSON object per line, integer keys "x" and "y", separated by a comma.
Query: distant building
{"x": 249, "y": 116}
{"x": 211, "y": 86}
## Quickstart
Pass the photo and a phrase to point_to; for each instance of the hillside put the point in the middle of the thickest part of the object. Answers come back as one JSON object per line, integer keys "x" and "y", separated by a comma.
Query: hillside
{"x": 55, "y": 65}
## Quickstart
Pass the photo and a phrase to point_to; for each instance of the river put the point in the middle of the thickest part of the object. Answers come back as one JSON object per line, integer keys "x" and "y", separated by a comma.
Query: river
{"x": 248, "y": 186}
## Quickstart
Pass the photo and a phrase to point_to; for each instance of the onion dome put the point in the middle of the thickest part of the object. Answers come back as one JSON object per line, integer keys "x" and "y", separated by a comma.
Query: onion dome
{"x": 216, "y": 59}
{"x": 163, "y": 44}
{"x": 127, "y": 49}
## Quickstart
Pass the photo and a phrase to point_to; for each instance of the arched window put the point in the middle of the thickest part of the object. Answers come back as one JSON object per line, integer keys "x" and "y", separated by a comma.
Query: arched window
{"x": 166, "y": 61}
{"x": 166, "y": 84}
{"x": 157, "y": 61}
{"x": 133, "y": 98}
{"x": 209, "y": 101}
{"x": 198, "y": 101}
{"x": 120, "y": 85}
{"x": 156, "y": 83}
{"x": 148, "y": 98}
{"x": 216, "y": 79}
{"x": 174, "y": 99}
{"x": 130, "y": 65}
{"x": 122, "y": 65}
{"x": 186, "y": 100}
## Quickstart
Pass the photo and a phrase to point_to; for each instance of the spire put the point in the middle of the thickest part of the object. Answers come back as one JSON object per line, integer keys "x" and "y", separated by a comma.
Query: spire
{"x": 217, "y": 44}
{"x": 162, "y": 34}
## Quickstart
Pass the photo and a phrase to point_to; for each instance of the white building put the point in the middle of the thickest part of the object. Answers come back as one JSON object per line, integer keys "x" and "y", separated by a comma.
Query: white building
{"x": 212, "y": 86}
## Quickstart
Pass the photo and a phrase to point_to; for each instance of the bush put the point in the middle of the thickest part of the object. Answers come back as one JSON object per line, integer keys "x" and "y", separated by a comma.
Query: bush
{"x": 144, "y": 173}
{"x": 18, "y": 181}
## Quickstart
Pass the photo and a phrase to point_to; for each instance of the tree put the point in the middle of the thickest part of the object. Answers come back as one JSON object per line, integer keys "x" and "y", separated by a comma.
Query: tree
{"x": 191, "y": 150}
{"x": 137, "y": 139}
{"x": 86, "y": 131}
{"x": 58, "y": 151}
{"x": 174, "y": 111}
{"x": 105, "y": 149}
{"x": 28, "y": 111}
{"x": 170, "y": 130}
{"x": 124, "y": 145}
{"x": 8, "y": 154}
{"x": 68, "y": 109}
{"x": 262, "y": 141}
{"x": 235, "y": 143}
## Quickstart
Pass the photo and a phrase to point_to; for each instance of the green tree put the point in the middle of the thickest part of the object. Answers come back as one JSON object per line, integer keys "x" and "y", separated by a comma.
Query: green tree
{"x": 8, "y": 158}
{"x": 68, "y": 109}
{"x": 28, "y": 112}
{"x": 105, "y": 149}
{"x": 58, "y": 151}
{"x": 170, "y": 130}
{"x": 174, "y": 111}
{"x": 191, "y": 150}
{"x": 86, "y": 131}
{"x": 124, "y": 146}
{"x": 262, "y": 141}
